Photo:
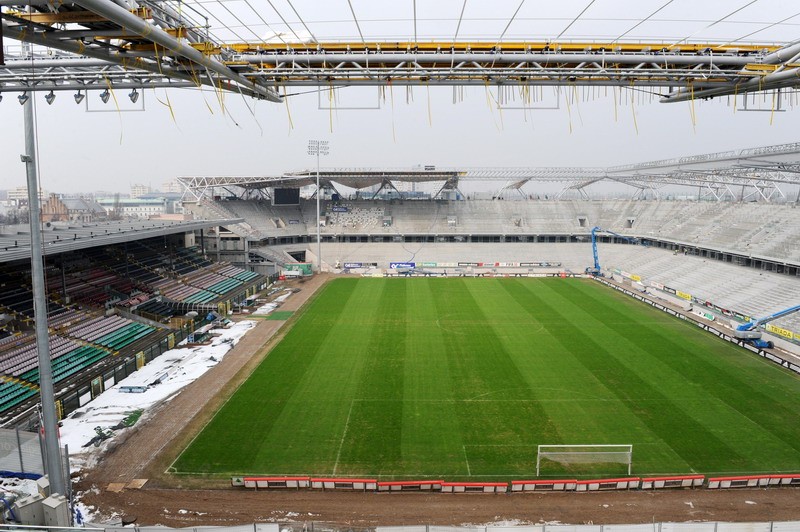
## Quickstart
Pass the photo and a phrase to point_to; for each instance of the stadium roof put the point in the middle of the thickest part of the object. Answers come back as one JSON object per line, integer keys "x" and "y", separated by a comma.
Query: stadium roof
{"x": 679, "y": 49}
{"x": 763, "y": 170}
{"x": 15, "y": 241}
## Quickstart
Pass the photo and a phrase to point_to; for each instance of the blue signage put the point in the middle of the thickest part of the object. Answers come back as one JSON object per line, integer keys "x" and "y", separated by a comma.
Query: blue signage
{"x": 395, "y": 265}
{"x": 348, "y": 265}
{"x": 339, "y": 208}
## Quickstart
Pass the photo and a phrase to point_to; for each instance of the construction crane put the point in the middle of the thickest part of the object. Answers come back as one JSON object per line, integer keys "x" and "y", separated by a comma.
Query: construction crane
{"x": 750, "y": 333}
{"x": 596, "y": 269}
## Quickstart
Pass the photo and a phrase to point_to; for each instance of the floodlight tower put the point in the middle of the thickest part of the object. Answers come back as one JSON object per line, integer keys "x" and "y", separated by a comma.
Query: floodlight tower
{"x": 55, "y": 471}
{"x": 318, "y": 147}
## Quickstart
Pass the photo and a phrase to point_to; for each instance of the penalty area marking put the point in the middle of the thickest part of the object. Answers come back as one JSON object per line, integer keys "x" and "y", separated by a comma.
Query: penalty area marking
{"x": 344, "y": 433}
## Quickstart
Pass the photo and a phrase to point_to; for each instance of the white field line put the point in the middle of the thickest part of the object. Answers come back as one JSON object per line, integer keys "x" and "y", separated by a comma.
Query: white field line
{"x": 344, "y": 433}
{"x": 510, "y": 476}
{"x": 466, "y": 459}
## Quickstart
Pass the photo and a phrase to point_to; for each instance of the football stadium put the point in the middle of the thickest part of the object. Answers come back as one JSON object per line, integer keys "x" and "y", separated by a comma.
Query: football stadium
{"x": 595, "y": 346}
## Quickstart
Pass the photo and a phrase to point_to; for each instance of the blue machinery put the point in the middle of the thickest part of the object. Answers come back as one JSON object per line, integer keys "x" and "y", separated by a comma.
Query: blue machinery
{"x": 596, "y": 269}
{"x": 749, "y": 331}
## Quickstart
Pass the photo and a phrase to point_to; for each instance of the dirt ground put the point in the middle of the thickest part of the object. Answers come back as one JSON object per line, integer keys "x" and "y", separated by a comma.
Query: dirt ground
{"x": 152, "y": 445}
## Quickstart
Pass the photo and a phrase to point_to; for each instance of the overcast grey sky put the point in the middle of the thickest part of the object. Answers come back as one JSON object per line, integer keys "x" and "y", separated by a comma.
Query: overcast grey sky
{"x": 87, "y": 151}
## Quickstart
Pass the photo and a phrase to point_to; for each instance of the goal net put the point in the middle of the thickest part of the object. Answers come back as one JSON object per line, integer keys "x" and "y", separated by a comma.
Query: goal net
{"x": 584, "y": 454}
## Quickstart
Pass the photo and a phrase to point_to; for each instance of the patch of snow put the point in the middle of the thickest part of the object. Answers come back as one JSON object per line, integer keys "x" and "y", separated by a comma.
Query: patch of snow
{"x": 750, "y": 502}
{"x": 271, "y": 306}
{"x": 497, "y": 523}
{"x": 19, "y": 487}
{"x": 175, "y": 369}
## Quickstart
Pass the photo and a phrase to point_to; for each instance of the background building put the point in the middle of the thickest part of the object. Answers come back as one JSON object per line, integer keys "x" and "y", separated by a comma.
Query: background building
{"x": 56, "y": 209}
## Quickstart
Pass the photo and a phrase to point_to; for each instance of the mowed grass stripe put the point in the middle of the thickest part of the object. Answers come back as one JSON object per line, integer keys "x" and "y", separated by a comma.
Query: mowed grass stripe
{"x": 717, "y": 357}
{"x": 375, "y": 426}
{"x": 665, "y": 361}
{"x": 464, "y": 377}
{"x": 432, "y": 439}
{"x": 309, "y": 430}
{"x": 723, "y": 396}
{"x": 605, "y": 356}
{"x": 484, "y": 370}
{"x": 244, "y": 430}
{"x": 604, "y": 420}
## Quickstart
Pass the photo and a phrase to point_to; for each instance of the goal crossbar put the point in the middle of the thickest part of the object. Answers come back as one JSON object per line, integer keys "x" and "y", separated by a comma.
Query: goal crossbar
{"x": 585, "y": 454}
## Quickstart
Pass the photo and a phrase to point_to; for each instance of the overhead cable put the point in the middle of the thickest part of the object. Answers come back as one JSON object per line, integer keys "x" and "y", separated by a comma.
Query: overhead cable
{"x": 760, "y": 30}
{"x": 716, "y": 22}
{"x": 269, "y": 28}
{"x": 296, "y": 36}
{"x": 460, "y": 18}
{"x": 302, "y": 21}
{"x": 510, "y": 21}
{"x": 355, "y": 19}
{"x": 648, "y": 17}
{"x": 574, "y": 20}
{"x": 414, "y": 6}
{"x": 240, "y": 21}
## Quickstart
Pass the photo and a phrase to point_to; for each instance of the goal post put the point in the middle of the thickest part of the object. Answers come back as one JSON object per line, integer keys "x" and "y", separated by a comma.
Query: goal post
{"x": 585, "y": 454}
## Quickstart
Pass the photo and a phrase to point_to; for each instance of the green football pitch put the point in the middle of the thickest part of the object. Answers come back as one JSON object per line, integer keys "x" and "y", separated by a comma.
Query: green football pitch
{"x": 462, "y": 379}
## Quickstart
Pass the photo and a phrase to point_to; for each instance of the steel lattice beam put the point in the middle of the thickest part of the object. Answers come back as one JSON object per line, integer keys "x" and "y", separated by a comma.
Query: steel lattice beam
{"x": 158, "y": 37}
{"x": 764, "y": 170}
{"x": 138, "y": 46}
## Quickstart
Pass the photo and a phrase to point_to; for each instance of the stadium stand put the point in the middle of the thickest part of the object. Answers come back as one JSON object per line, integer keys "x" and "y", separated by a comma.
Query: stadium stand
{"x": 717, "y": 237}
{"x": 754, "y": 228}
{"x": 108, "y": 307}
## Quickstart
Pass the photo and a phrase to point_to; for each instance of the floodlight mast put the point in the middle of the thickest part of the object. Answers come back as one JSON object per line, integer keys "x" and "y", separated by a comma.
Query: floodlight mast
{"x": 318, "y": 147}
{"x": 55, "y": 470}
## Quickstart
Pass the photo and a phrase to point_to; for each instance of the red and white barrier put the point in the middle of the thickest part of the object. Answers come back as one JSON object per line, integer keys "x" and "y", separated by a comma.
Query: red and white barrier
{"x": 754, "y": 481}
{"x": 474, "y": 487}
{"x": 607, "y": 484}
{"x": 410, "y": 485}
{"x": 748, "y": 481}
{"x": 543, "y": 485}
{"x": 276, "y": 482}
{"x": 685, "y": 481}
{"x": 358, "y": 484}
{"x": 792, "y": 479}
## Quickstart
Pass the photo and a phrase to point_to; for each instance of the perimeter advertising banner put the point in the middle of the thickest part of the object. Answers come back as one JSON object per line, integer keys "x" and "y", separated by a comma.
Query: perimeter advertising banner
{"x": 395, "y": 265}
{"x": 780, "y": 331}
{"x": 351, "y": 265}
{"x": 539, "y": 264}
{"x": 303, "y": 267}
